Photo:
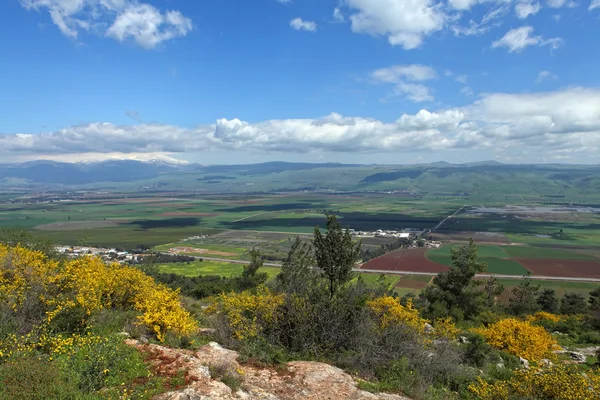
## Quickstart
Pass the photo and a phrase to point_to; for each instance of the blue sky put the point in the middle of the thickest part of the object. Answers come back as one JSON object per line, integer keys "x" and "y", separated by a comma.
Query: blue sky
{"x": 228, "y": 81}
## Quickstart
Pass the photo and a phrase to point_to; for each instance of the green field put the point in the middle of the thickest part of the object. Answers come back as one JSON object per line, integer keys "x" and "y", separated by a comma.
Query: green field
{"x": 497, "y": 259}
{"x": 548, "y": 253}
{"x": 373, "y": 279}
{"x": 219, "y": 268}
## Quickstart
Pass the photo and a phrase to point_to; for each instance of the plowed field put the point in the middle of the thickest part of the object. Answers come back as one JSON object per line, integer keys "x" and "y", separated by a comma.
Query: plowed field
{"x": 413, "y": 260}
{"x": 566, "y": 268}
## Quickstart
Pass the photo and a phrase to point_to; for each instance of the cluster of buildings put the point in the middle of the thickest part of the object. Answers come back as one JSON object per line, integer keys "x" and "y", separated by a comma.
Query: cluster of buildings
{"x": 112, "y": 255}
{"x": 386, "y": 233}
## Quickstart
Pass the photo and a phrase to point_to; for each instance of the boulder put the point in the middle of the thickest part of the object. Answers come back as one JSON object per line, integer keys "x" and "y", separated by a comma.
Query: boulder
{"x": 524, "y": 363}
{"x": 578, "y": 358}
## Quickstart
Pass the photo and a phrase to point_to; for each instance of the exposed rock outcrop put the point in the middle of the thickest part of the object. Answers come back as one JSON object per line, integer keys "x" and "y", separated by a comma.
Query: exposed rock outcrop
{"x": 297, "y": 380}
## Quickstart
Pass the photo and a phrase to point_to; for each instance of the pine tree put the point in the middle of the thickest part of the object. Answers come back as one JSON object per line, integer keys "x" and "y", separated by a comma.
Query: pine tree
{"x": 455, "y": 293}
{"x": 335, "y": 253}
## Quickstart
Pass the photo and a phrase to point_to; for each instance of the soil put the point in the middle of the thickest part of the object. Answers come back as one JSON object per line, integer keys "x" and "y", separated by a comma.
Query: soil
{"x": 566, "y": 268}
{"x": 413, "y": 260}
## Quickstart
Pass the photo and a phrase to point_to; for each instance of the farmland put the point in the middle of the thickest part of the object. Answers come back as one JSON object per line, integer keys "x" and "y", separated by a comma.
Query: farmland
{"x": 543, "y": 220}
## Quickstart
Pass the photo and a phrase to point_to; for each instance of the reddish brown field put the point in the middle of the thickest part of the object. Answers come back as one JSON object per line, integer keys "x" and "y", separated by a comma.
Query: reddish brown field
{"x": 413, "y": 260}
{"x": 567, "y": 268}
{"x": 188, "y": 214}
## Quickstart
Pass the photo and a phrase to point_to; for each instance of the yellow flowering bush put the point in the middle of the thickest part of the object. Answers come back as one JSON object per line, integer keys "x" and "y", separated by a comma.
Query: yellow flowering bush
{"x": 445, "y": 328}
{"x": 560, "y": 382}
{"x": 543, "y": 316}
{"x": 389, "y": 311}
{"x": 247, "y": 314}
{"x": 520, "y": 338}
{"x": 88, "y": 285}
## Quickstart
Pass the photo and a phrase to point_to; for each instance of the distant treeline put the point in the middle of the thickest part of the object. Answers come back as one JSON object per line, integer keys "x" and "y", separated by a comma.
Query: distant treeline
{"x": 369, "y": 254}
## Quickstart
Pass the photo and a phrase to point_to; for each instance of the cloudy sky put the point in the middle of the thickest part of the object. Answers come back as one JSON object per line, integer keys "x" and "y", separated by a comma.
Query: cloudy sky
{"x": 236, "y": 81}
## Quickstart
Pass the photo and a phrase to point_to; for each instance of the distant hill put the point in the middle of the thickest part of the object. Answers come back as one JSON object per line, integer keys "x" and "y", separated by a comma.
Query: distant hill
{"x": 550, "y": 181}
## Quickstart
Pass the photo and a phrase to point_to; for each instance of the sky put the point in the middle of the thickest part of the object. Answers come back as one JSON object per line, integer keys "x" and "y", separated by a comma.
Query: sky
{"x": 245, "y": 81}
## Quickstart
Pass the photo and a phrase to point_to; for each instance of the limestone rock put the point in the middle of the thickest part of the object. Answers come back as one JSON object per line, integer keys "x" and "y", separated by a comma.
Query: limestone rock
{"x": 298, "y": 380}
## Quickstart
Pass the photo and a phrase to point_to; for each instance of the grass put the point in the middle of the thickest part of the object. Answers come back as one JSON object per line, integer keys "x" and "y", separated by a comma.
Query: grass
{"x": 373, "y": 279}
{"x": 484, "y": 251}
{"x": 496, "y": 258}
{"x": 545, "y": 253}
{"x": 219, "y": 268}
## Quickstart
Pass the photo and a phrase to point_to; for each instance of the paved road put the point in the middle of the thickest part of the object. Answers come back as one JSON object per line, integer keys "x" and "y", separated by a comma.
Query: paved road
{"x": 376, "y": 271}
{"x": 447, "y": 218}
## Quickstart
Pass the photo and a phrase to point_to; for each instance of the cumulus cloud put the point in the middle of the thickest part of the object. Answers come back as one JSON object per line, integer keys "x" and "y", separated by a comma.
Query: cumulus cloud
{"x": 299, "y": 24}
{"x": 525, "y": 9}
{"x": 404, "y": 23}
{"x": 594, "y": 4}
{"x": 120, "y": 19}
{"x": 404, "y": 78}
{"x": 518, "y": 39}
{"x": 561, "y": 124}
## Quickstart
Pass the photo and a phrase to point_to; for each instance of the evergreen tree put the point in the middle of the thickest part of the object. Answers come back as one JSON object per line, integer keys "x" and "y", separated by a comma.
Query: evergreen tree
{"x": 573, "y": 303}
{"x": 455, "y": 293}
{"x": 335, "y": 253}
{"x": 250, "y": 277}
{"x": 523, "y": 298}
{"x": 492, "y": 289}
{"x": 298, "y": 272}
{"x": 548, "y": 301}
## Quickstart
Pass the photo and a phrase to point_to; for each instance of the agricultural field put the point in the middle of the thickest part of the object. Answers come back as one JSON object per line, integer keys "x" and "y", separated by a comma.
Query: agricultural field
{"x": 560, "y": 287}
{"x": 541, "y": 235}
{"x": 413, "y": 260}
{"x": 412, "y": 284}
{"x": 217, "y": 268}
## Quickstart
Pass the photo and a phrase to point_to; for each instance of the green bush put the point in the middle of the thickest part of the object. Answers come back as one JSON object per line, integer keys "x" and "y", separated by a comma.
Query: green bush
{"x": 589, "y": 337}
{"x": 106, "y": 364}
{"x": 30, "y": 378}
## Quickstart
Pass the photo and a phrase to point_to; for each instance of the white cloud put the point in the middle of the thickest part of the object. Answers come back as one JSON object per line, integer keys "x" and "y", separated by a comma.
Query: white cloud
{"x": 414, "y": 91}
{"x": 461, "y": 79}
{"x": 405, "y": 23}
{"x": 413, "y": 72}
{"x": 594, "y": 4}
{"x": 525, "y": 9}
{"x": 299, "y": 24}
{"x": 518, "y": 39}
{"x": 545, "y": 75}
{"x": 148, "y": 26}
{"x": 467, "y": 91}
{"x": 462, "y": 4}
{"x": 561, "y": 124}
{"x": 337, "y": 15}
{"x": 488, "y": 21}
{"x": 403, "y": 77}
{"x": 119, "y": 19}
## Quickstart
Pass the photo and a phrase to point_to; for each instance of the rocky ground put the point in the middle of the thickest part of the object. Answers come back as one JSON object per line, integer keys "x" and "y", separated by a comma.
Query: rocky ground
{"x": 213, "y": 372}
